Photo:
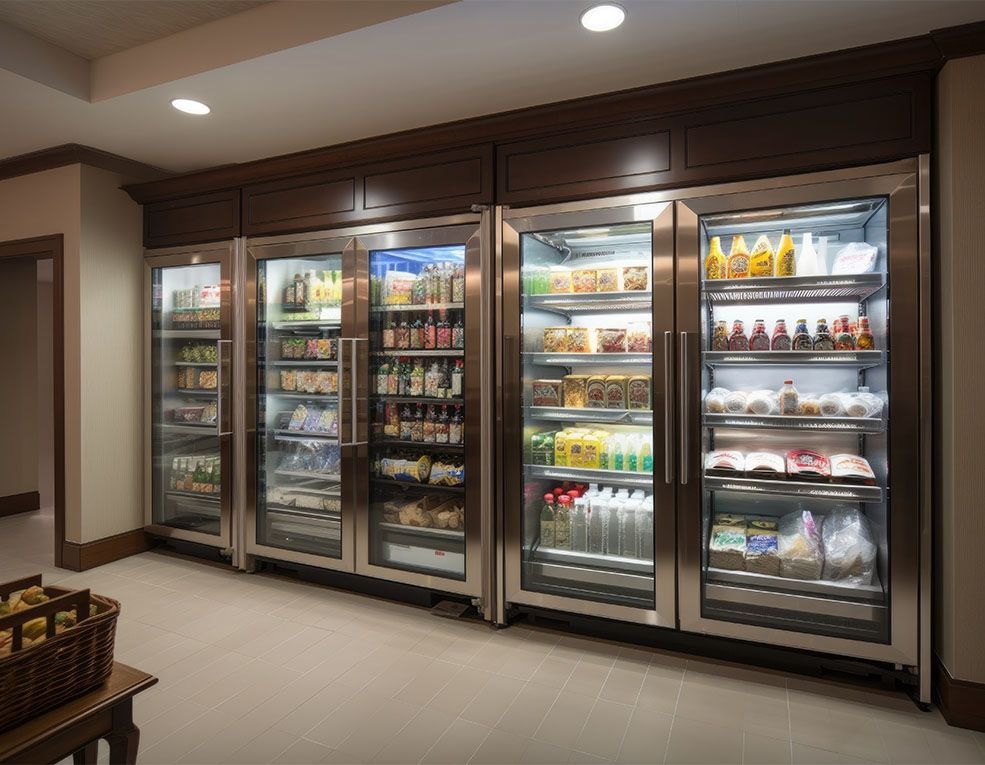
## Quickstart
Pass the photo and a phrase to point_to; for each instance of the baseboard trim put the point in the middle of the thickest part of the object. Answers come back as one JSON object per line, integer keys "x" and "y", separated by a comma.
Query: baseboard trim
{"x": 19, "y": 503}
{"x": 961, "y": 702}
{"x": 81, "y": 556}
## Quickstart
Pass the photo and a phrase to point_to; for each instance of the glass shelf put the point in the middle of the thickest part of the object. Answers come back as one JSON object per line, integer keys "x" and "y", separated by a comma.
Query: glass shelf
{"x": 437, "y": 352}
{"x": 848, "y": 492}
{"x": 854, "y": 359}
{"x": 425, "y": 487}
{"x": 296, "y": 435}
{"x": 590, "y": 302}
{"x": 779, "y": 422}
{"x": 855, "y": 287}
{"x": 584, "y": 359}
{"x": 574, "y": 414}
{"x": 868, "y": 592}
{"x": 424, "y": 307}
{"x": 187, "y": 334}
{"x": 590, "y": 475}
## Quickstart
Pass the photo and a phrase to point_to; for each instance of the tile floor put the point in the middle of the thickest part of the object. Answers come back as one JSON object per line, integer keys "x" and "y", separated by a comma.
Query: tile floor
{"x": 255, "y": 669}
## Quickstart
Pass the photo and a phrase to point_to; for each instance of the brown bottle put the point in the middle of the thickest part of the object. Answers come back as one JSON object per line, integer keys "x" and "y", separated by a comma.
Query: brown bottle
{"x": 719, "y": 340}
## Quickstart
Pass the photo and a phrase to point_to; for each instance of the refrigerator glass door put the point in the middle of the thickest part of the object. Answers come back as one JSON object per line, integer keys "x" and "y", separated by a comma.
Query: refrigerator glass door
{"x": 189, "y": 401}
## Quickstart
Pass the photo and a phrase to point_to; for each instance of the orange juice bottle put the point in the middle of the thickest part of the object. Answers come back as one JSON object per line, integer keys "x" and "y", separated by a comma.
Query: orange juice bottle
{"x": 761, "y": 260}
{"x": 738, "y": 259}
{"x": 786, "y": 262}
{"x": 715, "y": 261}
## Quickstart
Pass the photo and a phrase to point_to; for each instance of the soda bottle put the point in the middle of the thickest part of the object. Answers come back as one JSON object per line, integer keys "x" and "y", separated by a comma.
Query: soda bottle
{"x": 865, "y": 341}
{"x": 715, "y": 261}
{"x": 786, "y": 256}
{"x": 780, "y": 340}
{"x": 822, "y": 338}
{"x": 737, "y": 340}
{"x": 802, "y": 340}
{"x": 759, "y": 340}
{"x": 737, "y": 265}
{"x": 547, "y": 524}
{"x": 719, "y": 340}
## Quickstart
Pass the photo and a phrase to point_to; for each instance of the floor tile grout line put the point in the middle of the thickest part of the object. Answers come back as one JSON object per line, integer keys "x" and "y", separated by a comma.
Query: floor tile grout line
{"x": 786, "y": 686}
{"x": 673, "y": 720}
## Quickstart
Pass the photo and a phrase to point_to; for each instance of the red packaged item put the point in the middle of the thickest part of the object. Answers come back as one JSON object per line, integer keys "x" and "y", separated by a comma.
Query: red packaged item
{"x": 807, "y": 465}
{"x": 610, "y": 340}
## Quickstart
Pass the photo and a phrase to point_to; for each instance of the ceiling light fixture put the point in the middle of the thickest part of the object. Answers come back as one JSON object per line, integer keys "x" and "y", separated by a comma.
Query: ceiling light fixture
{"x": 603, "y": 17}
{"x": 188, "y": 106}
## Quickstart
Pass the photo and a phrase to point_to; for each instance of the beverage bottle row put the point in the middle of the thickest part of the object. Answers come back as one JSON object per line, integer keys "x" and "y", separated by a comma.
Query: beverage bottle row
{"x": 201, "y": 475}
{"x": 412, "y": 377}
{"x": 311, "y": 291}
{"x": 433, "y": 284}
{"x": 427, "y": 335}
{"x": 431, "y": 424}
{"x": 598, "y": 521}
{"x": 763, "y": 260}
{"x": 845, "y": 336}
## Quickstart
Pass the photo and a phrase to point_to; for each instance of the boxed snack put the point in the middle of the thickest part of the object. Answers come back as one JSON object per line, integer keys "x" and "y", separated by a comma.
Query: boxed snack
{"x": 764, "y": 465}
{"x": 555, "y": 339}
{"x": 326, "y": 382}
{"x": 542, "y": 448}
{"x": 799, "y": 546}
{"x": 639, "y": 337}
{"x": 584, "y": 280}
{"x": 850, "y": 468}
{"x": 762, "y": 547}
{"x": 635, "y": 278}
{"x": 638, "y": 392}
{"x": 546, "y": 393}
{"x": 559, "y": 280}
{"x": 849, "y": 546}
{"x": 610, "y": 340}
{"x": 807, "y": 465}
{"x": 311, "y": 348}
{"x": 577, "y": 340}
{"x": 727, "y": 546}
{"x": 724, "y": 462}
{"x": 575, "y": 390}
{"x": 595, "y": 396}
{"x": 607, "y": 280}
{"x": 615, "y": 392}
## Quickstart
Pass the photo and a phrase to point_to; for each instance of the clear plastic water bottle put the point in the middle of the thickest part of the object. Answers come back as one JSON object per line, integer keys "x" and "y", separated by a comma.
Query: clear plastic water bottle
{"x": 579, "y": 526}
{"x": 644, "y": 530}
{"x": 628, "y": 529}
{"x": 598, "y": 518}
{"x": 616, "y": 507}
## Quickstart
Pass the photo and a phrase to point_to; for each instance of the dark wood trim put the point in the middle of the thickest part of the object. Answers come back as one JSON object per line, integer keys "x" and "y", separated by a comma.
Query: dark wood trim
{"x": 958, "y": 42}
{"x": 204, "y": 218}
{"x": 85, "y": 555}
{"x": 19, "y": 503}
{"x": 43, "y": 248}
{"x": 962, "y": 702}
{"x": 75, "y": 154}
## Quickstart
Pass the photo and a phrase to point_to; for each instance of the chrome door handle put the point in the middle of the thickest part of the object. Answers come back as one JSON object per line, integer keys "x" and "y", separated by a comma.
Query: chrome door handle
{"x": 353, "y": 390}
{"x": 220, "y": 410}
{"x": 684, "y": 394}
{"x": 668, "y": 407}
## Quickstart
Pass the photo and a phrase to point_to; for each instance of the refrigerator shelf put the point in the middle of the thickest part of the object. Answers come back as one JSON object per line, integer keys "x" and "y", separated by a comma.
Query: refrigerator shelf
{"x": 187, "y": 334}
{"x": 578, "y": 359}
{"x": 590, "y": 475}
{"x": 327, "y": 477}
{"x": 844, "y": 590}
{"x": 332, "y": 516}
{"x": 334, "y": 323}
{"x": 848, "y": 492}
{"x": 422, "y": 531}
{"x": 320, "y": 397}
{"x": 590, "y": 302}
{"x": 424, "y": 307}
{"x": 383, "y": 442}
{"x": 423, "y": 487}
{"x": 856, "y": 287}
{"x": 191, "y": 429}
{"x": 779, "y": 422}
{"x": 417, "y": 400}
{"x": 197, "y": 392}
{"x": 281, "y": 434}
{"x": 852, "y": 359}
{"x": 192, "y": 495}
{"x": 195, "y": 364}
{"x": 573, "y": 414}
{"x": 438, "y": 352}
{"x": 301, "y": 363}
{"x": 639, "y": 566}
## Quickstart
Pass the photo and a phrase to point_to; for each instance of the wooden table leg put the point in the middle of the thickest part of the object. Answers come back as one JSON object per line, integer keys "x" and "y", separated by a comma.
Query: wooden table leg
{"x": 87, "y": 755}
{"x": 125, "y": 738}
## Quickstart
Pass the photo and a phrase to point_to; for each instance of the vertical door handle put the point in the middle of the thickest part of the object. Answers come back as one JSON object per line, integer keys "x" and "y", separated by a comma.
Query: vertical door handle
{"x": 668, "y": 407}
{"x": 353, "y": 390}
{"x": 685, "y": 395}
{"x": 222, "y": 428}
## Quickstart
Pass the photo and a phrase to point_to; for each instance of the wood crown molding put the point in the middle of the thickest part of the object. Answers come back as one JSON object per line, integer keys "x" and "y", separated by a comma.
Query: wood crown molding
{"x": 77, "y": 154}
{"x": 961, "y": 702}
{"x": 957, "y": 42}
{"x": 19, "y": 503}
{"x": 81, "y": 556}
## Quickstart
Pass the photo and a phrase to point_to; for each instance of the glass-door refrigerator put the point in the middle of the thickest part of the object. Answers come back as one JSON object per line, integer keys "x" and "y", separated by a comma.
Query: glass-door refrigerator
{"x": 586, "y": 380}
{"x": 800, "y": 346}
{"x": 365, "y": 386}
{"x": 188, "y": 360}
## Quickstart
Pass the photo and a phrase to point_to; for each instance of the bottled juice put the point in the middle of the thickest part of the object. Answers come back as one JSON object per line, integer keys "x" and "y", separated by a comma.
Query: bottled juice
{"x": 761, "y": 260}
{"x": 737, "y": 265}
{"x": 632, "y": 454}
{"x": 780, "y": 340}
{"x": 865, "y": 341}
{"x": 617, "y": 454}
{"x": 737, "y": 340}
{"x": 802, "y": 340}
{"x": 646, "y": 455}
{"x": 715, "y": 260}
{"x": 759, "y": 340}
{"x": 822, "y": 337}
{"x": 719, "y": 340}
{"x": 844, "y": 340}
{"x": 786, "y": 264}
{"x": 547, "y": 527}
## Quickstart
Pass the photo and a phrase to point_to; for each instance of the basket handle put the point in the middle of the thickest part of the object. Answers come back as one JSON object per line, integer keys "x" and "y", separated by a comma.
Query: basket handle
{"x": 15, "y": 622}
{"x": 8, "y": 588}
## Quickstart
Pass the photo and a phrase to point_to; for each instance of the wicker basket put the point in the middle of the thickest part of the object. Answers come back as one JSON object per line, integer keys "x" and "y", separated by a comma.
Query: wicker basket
{"x": 36, "y": 678}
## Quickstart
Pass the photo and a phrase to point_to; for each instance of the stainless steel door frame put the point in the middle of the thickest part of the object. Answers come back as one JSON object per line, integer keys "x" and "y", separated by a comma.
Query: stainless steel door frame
{"x": 899, "y": 182}
{"x": 222, "y": 253}
{"x": 659, "y": 209}
{"x": 279, "y": 248}
{"x": 431, "y": 233}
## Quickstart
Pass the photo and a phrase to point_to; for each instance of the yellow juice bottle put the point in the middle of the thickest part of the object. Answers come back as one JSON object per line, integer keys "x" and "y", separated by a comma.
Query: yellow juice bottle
{"x": 737, "y": 265}
{"x": 715, "y": 261}
{"x": 761, "y": 260}
{"x": 786, "y": 256}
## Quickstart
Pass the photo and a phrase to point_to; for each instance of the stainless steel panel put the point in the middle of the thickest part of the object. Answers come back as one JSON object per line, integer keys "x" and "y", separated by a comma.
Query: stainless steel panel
{"x": 926, "y": 432}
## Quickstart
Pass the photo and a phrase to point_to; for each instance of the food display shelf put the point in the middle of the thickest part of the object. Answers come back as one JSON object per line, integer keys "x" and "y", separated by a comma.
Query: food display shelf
{"x": 382, "y": 442}
{"x": 300, "y": 363}
{"x": 291, "y": 522}
{"x": 197, "y": 392}
{"x": 334, "y": 323}
{"x": 868, "y": 592}
{"x": 574, "y": 414}
{"x": 853, "y": 359}
{"x": 641, "y": 566}
{"x": 780, "y": 422}
{"x": 195, "y": 364}
{"x": 423, "y": 531}
{"x": 586, "y": 359}
{"x": 590, "y": 302}
{"x": 191, "y": 429}
{"x": 332, "y": 516}
{"x": 294, "y": 396}
{"x": 438, "y": 352}
{"x": 192, "y": 495}
{"x": 419, "y": 307}
{"x": 418, "y": 400}
{"x": 766, "y": 289}
{"x": 590, "y": 475}
{"x": 187, "y": 334}
{"x": 327, "y": 477}
{"x": 423, "y": 487}
{"x": 847, "y": 492}
{"x": 282, "y": 434}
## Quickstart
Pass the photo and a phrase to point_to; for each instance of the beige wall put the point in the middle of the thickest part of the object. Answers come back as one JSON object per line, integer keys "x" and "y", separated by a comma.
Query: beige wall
{"x": 111, "y": 275}
{"x": 960, "y": 204}
{"x": 18, "y": 382}
{"x": 46, "y": 447}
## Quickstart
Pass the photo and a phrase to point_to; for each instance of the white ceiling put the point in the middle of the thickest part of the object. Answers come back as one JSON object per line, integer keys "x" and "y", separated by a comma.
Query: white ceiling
{"x": 465, "y": 59}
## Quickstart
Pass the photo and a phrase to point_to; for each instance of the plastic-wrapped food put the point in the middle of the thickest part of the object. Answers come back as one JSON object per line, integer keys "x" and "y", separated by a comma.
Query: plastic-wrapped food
{"x": 416, "y": 470}
{"x": 595, "y": 392}
{"x": 725, "y": 462}
{"x": 799, "y": 546}
{"x": 298, "y": 416}
{"x": 762, "y": 547}
{"x": 832, "y": 405}
{"x": 325, "y": 348}
{"x": 805, "y": 464}
{"x": 208, "y": 379}
{"x": 542, "y": 448}
{"x": 849, "y": 546}
{"x": 736, "y": 402}
{"x": 575, "y": 391}
{"x": 577, "y": 340}
{"x": 584, "y": 280}
{"x": 764, "y": 465}
{"x": 288, "y": 379}
{"x": 850, "y": 468}
{"x": 546, "y": 393}
{"x": 447, "y": 474}
{"x": 311, "y": 421}
{"x": 638, "y": 337}
{"x": 856, "y": 406}
{"x": 762, "y": 402}
{"x": 615, "y": 392}
{"x": 398, "y": 287}
{"x": 875, "y": 402}
{"x": 555, "y": 339}
{"x": 810, "y": 405}
{"x": 607, "y": 280}
{"x": 715, "y": 400}
{"x": 451, "y": 515}
{"x": 559, "y": 280}
{"x": 611, "y": 340}
{"x": 327, "y": 422}
{"x": 209, "y": 413}
{"x": 326, "y": 382}
{"x": 635, "y": 278}
{"x": 854, "y": 258}
{"x": 638, "y": 392}
{"x": 727, "y": 546}
{"x": 311, "y": 348}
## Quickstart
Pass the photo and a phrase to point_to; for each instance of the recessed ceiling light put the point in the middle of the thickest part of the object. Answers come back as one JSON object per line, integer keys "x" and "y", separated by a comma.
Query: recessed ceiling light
{"x": 603, "y": 17}
{"x": 190, "y": 107}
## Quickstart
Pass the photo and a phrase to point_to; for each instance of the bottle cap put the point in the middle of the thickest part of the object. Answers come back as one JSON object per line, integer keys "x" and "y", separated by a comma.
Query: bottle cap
{"x": 574, "y": 494}
{"x": 564, "y": 499}
{"x": 548, "y": 497}
{"x": 788, "y": 382}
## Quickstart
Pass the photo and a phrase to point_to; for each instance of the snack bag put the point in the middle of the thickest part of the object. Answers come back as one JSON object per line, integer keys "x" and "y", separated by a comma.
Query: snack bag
{"x": 849, "y": 546}
{"x": 799, "y": 546}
